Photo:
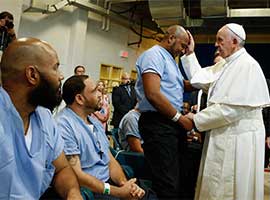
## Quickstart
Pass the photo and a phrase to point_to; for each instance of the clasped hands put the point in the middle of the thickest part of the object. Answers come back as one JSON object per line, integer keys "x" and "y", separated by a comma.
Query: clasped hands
{"x": 135, "y": 192}
{"x": 187, "y": 121}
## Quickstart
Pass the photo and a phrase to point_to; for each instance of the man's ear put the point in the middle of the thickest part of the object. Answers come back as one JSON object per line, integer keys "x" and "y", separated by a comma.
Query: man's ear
{"x": 171, "y": 38}
{"x": 235, "y": 41}
{"x": 32, "y": 75}
{"x": 79, "y": 99}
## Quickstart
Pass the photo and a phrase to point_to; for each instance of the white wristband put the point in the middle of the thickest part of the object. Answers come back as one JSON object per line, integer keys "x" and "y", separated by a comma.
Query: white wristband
{"x": 176, "y": 116}
{"x": 107, "y": 188}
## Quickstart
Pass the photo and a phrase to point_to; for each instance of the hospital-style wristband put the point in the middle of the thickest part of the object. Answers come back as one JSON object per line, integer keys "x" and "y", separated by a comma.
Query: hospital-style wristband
{"x": 107, "y": 188}
{"x": 176, "y": 116}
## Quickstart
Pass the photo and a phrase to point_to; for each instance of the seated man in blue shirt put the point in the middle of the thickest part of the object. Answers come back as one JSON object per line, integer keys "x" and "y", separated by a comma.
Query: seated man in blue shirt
{"x": 31, "y": 149}
{"x": 86, "y": 145}
{"x": 129, "y": 135}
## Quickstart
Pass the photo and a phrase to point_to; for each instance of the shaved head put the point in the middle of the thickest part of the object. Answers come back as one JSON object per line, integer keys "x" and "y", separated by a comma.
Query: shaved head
{"x": 22, "y": 53}
{"x": 175, "y": 40}
{"x": 176, "y": 30}
{"x": 30, "y": 71}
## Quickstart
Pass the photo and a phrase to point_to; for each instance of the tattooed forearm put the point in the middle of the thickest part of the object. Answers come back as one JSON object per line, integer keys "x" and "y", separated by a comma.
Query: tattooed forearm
{"x": 72, "y": 159}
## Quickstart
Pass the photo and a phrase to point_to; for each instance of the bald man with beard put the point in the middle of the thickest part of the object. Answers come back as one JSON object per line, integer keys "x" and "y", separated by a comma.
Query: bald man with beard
{"x": 31, "y": 148}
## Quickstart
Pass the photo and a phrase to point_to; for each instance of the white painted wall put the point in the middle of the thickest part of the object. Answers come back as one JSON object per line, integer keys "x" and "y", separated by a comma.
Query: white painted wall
{"x": 53, "y": 28}
{"x": 78, "y": 39}
{"x": 105, "y": 47}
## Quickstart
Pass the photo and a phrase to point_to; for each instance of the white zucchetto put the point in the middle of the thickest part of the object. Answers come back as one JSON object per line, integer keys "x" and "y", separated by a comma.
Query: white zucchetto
{"x": 238, "y": 30}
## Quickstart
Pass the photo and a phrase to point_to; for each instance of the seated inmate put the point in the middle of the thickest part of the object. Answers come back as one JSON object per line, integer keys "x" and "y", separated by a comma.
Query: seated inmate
{"x": 86, "y": 145}
{"x": 31, "y": 149}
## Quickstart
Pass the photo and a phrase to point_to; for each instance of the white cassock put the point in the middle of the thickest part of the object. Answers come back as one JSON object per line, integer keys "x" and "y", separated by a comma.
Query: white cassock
{"x": 232, "y": 163}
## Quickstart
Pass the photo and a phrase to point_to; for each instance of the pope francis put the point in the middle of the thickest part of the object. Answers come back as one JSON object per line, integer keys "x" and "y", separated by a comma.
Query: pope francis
{"x": 232, "y": 164}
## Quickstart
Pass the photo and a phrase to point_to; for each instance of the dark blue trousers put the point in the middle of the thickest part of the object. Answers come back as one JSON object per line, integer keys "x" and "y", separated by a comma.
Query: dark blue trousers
{"x": 164, "y": 147}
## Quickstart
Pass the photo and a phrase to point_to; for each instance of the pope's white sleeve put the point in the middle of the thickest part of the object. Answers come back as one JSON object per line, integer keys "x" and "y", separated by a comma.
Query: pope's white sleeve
{"x": 199, "y": 77}
{"x": 190, "y": 64}
{"x": 218, "y": 115}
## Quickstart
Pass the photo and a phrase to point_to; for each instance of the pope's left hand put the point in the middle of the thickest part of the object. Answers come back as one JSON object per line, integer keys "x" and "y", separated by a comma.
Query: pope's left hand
{"x": 190, "y": 116}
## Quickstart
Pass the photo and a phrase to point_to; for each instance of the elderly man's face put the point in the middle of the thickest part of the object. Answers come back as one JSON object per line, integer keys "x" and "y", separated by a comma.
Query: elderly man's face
{"x": 224, "y": 42}
{"x": 125, "y": 79}
{"x": 48, "y": 92}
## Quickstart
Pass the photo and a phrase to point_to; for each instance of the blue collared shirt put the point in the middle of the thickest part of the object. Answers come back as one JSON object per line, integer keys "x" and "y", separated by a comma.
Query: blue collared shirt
{"x": 80, "y": 140}
{"x": 26, "y": 174}
{"x": 160, "y": 61}
{"x": 129, "y": 127}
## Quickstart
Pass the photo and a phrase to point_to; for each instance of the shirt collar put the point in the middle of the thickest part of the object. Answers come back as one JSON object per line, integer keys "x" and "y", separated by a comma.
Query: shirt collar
{"x": 235, "y": 55}
{"x": 166, "y": 52}
{"x": 75, "y": 115}
{"x": 6, "y": 102}
{"x": 5, "y": 98}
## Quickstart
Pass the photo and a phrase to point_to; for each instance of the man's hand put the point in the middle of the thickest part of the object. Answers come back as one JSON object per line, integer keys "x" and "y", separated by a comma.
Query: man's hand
{"x": 186, "y": 123}
{"x": 194, "y": 136}
{"x": 130, "y": 190}
{"x": 191, "y": 44}
{"x": 190, "y": 116}
{"x": 137, "y": 192}
{"x": 11, "y": 31}
{"x": 12, "y": 34}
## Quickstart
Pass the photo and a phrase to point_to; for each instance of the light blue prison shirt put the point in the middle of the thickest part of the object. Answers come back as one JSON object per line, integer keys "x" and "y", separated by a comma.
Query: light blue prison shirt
{"x": 160, "y": 61}
{"x": 80, "y": 140}
{"x": 129, "y": 127}
{"x": 26, "y": 174}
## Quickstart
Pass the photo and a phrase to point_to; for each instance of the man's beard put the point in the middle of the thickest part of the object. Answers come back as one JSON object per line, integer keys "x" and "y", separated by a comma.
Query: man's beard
{"x": 45, "y": 95}
{"x": 92, "y": 106}
{"x": 174, "y": 52}
{"x": 181, "y": 54}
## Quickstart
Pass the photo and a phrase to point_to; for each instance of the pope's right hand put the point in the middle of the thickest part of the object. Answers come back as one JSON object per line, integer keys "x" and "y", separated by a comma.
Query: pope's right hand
{"x": 191, "y": 44}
